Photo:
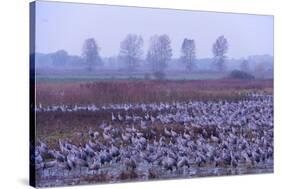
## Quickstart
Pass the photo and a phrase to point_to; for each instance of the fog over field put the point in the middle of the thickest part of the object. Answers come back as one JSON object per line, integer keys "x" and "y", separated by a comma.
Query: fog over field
{"x": 61, "y": 39}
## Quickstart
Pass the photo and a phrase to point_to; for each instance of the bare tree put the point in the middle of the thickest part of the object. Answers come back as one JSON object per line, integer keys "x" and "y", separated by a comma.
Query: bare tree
{"x": 188, "y": 54}
{"x": 90, "y": 53}
{"x": 220, "y": 48}
{"x": 159, "y": 52}
{"x": 131, "y": 50}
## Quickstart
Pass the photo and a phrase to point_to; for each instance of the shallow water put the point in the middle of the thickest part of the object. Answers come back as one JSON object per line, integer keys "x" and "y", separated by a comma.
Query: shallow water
{"x": 59, "y": 177}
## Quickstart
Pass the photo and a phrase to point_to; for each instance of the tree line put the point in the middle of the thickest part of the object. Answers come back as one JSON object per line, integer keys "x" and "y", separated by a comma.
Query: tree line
{"x": 159, "y": 52}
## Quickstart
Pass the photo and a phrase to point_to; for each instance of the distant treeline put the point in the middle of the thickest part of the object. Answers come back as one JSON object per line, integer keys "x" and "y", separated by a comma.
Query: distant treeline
{"x": 157, "y": 59}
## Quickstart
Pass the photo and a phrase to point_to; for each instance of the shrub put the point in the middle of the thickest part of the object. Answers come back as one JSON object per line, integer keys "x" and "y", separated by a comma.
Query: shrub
{"x": 147, "y": 76}
{"x": 159, "y": 75}
{"x": 237, "y": 74}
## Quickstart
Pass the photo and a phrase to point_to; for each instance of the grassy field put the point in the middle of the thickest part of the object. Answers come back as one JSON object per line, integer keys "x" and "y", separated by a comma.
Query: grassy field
{"x": 69, "y": 125}
{"x": 58, "y": 76}
{"x": 124, "y": 130}
{"x": 139, "y": 91}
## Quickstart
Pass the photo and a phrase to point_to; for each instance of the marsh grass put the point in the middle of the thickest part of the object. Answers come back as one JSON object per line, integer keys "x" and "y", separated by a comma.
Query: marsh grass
{"x": 128, "y": 91}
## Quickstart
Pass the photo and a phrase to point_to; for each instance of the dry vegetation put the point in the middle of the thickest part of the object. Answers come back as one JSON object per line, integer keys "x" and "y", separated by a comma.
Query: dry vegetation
{"x": 215, "y": 118}
{"x": 70, "y": 125}
{"x": 108, "y": 92}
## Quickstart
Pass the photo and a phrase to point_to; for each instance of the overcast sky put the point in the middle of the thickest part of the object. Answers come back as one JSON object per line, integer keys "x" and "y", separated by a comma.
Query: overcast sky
{"x": 67, "y": 25}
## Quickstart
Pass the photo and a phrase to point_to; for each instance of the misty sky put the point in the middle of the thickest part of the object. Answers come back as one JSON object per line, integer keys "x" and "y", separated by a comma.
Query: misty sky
{"x": 67, "y": 25}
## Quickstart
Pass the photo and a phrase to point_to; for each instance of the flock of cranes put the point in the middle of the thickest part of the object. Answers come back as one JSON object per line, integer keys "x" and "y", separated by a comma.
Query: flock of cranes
{"x": 177, "y": 138}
